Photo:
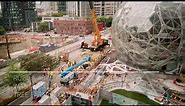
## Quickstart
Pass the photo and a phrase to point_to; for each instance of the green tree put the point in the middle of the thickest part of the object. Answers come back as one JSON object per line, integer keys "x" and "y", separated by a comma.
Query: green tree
{"x": 101, "y": 19}
{"x": 2, "y": 32}
{"x": 15, "y": 76}
{"x": 30, "y": 63}
{"x": 88, "y": 18}
{"x": 109, "y": 22}
{"x": 39, "y": 18}
{"x": 37, "y": 62}
{"x": 59, "y": 14}
{"x": 43, "y": 27}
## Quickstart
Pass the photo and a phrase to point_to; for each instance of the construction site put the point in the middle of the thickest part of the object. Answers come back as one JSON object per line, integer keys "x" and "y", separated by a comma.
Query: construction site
{"x": 139, "y": 60}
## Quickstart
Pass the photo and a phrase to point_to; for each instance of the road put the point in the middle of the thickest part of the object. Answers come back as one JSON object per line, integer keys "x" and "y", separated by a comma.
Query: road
{"x": 87, "y": 38}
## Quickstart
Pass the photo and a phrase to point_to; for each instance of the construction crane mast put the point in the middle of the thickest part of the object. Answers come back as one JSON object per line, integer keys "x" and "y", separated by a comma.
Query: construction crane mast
{"x": 98, "y": 43}
{"x": 97, "y": 36}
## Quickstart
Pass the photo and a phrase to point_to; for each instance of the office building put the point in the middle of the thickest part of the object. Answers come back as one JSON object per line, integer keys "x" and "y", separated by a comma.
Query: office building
{"x": 47, "y": 8}
{"x": 17, "y": 14}
{"x": 78, "y": 8}
{"x": 62, "y": 6}
{"x": 106, "y": 8}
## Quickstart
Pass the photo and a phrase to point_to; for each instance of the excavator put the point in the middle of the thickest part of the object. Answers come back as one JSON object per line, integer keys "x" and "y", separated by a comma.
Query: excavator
{"x": 98, "y": 43}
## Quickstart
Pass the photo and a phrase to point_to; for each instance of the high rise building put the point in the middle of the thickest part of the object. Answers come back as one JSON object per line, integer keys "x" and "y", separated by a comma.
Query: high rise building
{"x": 17, "y": 14}
{"x": 78, "y": 8}
{"x": 106, "y": 8}
{"x": 47, "y": 8}
{"x": 72, "y": 8}
{"x": 62, "y": 6}
{"x": 84, "y": 9}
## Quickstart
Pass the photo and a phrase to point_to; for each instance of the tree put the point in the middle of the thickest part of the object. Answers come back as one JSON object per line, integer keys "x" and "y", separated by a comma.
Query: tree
{"x": 37, "y": 62}
{"x": 59, "y": 14}
{"x": 88, "y": 18}
{"x": 39, "y": 18}
{"x": 101, "y": 19}
{"x": 15, "y": 76}
{"x": 2, "y": 32}
{"x": 109, "y": 22}
{"x": 44, "y": 26}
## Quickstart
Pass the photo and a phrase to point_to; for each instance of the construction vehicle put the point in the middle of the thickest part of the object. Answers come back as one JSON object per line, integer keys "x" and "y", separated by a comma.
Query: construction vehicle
{"x": 65, "y": 80}
{"x": 70, "y": 69}
{"x": 98, "y": 43}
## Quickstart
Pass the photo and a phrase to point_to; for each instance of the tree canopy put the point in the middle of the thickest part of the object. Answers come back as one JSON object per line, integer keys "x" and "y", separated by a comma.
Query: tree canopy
{"x": 2, "y": 30}
{"x": 107, "y": 21}
{"x": 43, "y": 27}
{"x": 59, "y": 14}
{"x": 15, "y": 76}
{"x": 101, "y": 19}
{"x": 38, "y": 61}
{"x": 39, "y": 18}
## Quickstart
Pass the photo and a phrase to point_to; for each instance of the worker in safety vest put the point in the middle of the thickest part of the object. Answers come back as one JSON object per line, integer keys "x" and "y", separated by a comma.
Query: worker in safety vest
{"x": 50, "y": 73}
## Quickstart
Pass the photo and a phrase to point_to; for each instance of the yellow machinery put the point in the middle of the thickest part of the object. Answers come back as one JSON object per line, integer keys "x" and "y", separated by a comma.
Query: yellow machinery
{"x": 98, "y": 43}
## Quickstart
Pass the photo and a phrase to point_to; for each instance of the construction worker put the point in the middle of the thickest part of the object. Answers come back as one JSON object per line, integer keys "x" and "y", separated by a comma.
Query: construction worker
{"x": 51, "y": 74}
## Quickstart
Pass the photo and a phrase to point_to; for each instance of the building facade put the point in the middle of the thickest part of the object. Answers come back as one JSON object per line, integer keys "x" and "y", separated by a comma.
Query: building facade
{"x": 17, "y": 14}
{"x": 72, "y": 8}
{"x": 78, "y": 8}
{"x": 85, "y": 10}
{"x": 73, "y": 27}
{"x": 106, "y": 8}
{"x": 62, "y": 6}
{"x": 47, "y": 8}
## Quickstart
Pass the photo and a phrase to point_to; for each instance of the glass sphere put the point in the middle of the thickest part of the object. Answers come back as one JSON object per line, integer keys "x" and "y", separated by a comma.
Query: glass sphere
{"x": 149, "y": 35}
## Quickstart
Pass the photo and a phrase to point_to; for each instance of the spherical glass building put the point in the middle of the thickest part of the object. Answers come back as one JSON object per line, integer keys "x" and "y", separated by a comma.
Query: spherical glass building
{"x": 150, "y": 35}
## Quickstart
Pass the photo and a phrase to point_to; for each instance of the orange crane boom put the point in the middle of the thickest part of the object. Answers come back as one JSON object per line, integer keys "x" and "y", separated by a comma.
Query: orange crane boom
{"x": 98, "y": 43}
{"x": 97, "y": 36}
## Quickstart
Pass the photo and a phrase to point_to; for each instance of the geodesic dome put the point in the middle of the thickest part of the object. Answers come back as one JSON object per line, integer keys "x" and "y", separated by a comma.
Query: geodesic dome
{"x": 149, "y": 35}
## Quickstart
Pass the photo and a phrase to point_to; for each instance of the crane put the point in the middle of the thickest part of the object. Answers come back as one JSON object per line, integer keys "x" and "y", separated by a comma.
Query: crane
{"x": 98, "y": 43}
{"x": 68, "y": 75}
